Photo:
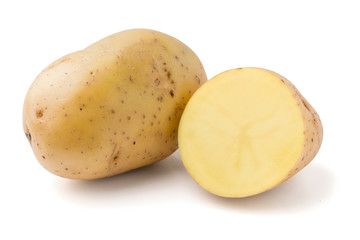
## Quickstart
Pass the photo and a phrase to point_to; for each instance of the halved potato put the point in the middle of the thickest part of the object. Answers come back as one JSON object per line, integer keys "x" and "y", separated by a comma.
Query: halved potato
{"x": 246, "y": 131}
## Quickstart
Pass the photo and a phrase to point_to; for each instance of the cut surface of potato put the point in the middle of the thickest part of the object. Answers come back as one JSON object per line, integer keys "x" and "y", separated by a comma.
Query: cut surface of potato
{"x": 245, "y": 131}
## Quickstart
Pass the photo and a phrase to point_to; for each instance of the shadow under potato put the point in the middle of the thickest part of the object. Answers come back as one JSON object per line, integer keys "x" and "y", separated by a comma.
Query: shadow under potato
{"x": 131, "y": 179}
{"x": 310, "y": 187}
{"x": 168, "y": 180}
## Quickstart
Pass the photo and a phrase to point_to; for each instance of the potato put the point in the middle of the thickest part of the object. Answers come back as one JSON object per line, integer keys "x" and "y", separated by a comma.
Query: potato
{"x": 246, "y": 131}
{"x": 112, "y": 107}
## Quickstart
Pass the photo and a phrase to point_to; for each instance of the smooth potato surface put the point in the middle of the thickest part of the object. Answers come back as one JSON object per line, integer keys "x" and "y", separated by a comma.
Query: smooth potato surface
{"x": 113, "y": 106}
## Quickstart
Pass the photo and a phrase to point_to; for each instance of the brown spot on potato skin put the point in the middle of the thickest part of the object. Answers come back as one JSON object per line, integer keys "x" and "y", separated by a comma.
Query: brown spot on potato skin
{"x": 39, "y": 113}
{"x": 157, "y": 82}
{"x": 197, "y": 79}
{"x": 28, "y": 136}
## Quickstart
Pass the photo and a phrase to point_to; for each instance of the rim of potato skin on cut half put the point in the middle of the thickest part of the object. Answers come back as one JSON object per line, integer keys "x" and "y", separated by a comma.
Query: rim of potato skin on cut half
{"x": 243, "y": 133}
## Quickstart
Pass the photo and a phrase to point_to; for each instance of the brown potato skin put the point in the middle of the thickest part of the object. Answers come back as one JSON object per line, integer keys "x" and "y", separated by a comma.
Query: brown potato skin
{"x": 313, "y": 133}
{"x": 112, "y": 107}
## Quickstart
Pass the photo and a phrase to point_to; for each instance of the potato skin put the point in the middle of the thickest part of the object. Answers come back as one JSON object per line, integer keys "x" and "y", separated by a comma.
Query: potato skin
{"x": 313, "y": 133}
{"x": 112, "y": 107}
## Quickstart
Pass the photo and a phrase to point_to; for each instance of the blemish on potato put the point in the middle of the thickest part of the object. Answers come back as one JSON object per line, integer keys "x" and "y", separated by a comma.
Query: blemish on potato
{"x": 197, "y": 79}
{"x": 172, "y": 93}
{"x": 39, "y": 113}
{"x": 128, "y": 117}
{"x": 157, "y": 82}
{"x": 28, "y": 136}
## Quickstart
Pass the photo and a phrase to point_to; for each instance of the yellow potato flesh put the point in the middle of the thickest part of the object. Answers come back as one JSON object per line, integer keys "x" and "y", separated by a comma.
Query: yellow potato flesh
{"x": 242, "y": 133}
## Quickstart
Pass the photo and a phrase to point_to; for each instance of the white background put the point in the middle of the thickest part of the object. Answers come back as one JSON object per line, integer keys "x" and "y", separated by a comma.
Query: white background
{"x": 315, "y": 44}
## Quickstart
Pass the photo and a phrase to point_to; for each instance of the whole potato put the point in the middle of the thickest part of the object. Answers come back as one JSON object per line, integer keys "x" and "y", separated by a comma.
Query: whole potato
{"x": 112, "y": 107}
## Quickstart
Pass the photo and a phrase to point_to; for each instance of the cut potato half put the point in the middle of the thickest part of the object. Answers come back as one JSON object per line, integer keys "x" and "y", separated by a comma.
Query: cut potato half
{"x": 246, "y": 131}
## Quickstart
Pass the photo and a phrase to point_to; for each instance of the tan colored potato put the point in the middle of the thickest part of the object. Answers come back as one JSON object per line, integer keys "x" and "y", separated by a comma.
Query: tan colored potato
{"x": 113, "y": 106}
{"x": 246, "y": 131}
